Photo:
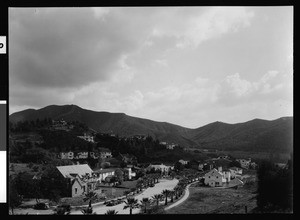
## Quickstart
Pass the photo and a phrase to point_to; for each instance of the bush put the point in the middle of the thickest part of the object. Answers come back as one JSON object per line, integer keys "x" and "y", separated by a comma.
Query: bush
{"x": 41, "y": 206}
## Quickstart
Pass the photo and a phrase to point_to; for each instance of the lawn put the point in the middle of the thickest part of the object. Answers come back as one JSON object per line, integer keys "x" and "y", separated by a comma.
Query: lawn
{"x": 203, "y": 200}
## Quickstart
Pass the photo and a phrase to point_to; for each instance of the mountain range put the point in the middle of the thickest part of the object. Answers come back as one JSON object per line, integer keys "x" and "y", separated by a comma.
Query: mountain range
{"x": 257, "y": 135}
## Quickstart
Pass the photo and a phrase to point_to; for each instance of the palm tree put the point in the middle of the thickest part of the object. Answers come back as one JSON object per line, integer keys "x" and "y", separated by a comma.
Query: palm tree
{"x": 111, "y": 212}
{"x": 90, "y": 196}
{"x": 139, "y": 185}
{"x": 88, "y": 211}
{"x": 145, "y": 202}
{"x": 171, "y": 194}
{"x": 166, "y": 193}
{"x": 157, "y": 198}
{"x": 131, "y": 203}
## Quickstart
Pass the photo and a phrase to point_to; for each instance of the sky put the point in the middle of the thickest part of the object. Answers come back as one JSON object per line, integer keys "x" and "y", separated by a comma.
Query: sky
{"x": 188, "y": 66}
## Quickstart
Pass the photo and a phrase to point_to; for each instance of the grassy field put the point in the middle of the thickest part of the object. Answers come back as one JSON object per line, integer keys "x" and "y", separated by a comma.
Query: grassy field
{"x": 204, "y": 200}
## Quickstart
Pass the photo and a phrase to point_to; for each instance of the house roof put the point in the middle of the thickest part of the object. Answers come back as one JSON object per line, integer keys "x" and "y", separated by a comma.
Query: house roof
{"x": 80, "y": 169}
{"x": 104, "y": 170}
{"x": 214, "y": 171}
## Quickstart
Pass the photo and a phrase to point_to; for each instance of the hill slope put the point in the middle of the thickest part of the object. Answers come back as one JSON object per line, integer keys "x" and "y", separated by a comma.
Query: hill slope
{"x": 255, "y": 135}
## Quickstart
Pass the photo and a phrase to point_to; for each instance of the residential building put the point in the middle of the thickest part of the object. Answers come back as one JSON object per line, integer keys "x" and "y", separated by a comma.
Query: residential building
{"x": 102, "y": 174}
{"x": 216, "y": 178}
{"x": 66, "y": 155}
{"x": 245, "y": 163}
{"x": 163, "y": 168}
{"x": 129, "y": 159}
{"x": 171, "y": 146}
{"x": 87, "y": 137}
{"x": 104, "y": 153}
{"x": 235, "y": 172}
{"x": 183, "y": 162}
{"x": 80, "y": 176}
{"x": 129, "y": 173}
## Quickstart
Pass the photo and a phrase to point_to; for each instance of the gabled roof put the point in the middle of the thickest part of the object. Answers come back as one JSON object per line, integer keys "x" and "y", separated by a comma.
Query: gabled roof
{"x": 214, "y": 171}
{"x": 80, "y": 169}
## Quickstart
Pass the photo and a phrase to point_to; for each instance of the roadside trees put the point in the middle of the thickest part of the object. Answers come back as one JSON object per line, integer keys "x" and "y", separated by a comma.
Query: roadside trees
{"x": 131, "y": 203}
{"x": 145, "y": 202}
{"x": 165, "y": 193}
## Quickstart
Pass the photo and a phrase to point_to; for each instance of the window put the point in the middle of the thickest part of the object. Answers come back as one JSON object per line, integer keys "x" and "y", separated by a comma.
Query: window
{"x": 75, "y": 190}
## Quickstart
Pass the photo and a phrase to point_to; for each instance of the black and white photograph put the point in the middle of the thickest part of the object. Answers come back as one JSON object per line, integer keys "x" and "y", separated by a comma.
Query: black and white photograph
{"x": 150, "y": 110}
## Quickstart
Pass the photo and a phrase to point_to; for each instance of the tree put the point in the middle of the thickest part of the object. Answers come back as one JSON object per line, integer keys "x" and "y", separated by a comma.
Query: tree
{"x": 111, "y": 212}
{"x": 178, "y": 166}
{"x": 145, "y": 202}
{"x": 272, "y": 179}
{"x": 61, "y": 211}
{"x": 131, "y": 203}
{"x": 235, "y": 163}
{"x": 90, "y": 196}
{"x": 171, "y": 194}
{"x": 15, "y": 199}
{"x": 88, "y": 211}
{"x": 166, "y": 194}
{"x": 157, "y": 198}
{"x": 119, "y": 174}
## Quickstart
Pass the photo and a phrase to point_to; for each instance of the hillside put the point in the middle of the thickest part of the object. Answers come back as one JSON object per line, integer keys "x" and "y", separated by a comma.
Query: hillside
{"x": 255, "y": 135}
{"x": 118, "y": 123}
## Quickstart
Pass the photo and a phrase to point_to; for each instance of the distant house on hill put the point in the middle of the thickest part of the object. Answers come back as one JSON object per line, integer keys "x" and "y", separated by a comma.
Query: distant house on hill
{"x": 245, "y": 163}
{"x": 67, "y": 155}
{"x": 87, "y": 137}
{"x": 183, "y": 162}
{"x": 171, "y": 146}
{"x": 128, "y": 158}
{"x": 105, "y": 153}
{"x": 80, "y": 176}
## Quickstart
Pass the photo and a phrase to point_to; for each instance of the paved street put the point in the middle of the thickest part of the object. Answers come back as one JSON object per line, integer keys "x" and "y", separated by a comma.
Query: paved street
{"x": 157, "y": 189}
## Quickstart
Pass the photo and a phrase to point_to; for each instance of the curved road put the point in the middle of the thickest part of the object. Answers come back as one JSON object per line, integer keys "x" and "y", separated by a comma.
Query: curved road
{"x": 148, "y": 193}
{"x": 186, "y": 195}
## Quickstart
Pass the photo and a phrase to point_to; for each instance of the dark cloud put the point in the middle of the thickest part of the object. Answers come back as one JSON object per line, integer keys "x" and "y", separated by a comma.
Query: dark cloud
{"x": 65, "y": 47}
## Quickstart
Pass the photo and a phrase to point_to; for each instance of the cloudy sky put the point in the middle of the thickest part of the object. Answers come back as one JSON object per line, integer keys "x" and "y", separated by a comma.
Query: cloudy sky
{"x": 185, "y": 65}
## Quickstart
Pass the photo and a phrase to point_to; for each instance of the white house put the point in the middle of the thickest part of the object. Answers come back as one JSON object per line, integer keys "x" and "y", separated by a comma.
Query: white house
{"x": 183, "y": 162}
{"x": 235, "y": 171}
{"x": 130, "y": 173}
{"x": 163, "y": 168}
{"x": 67, "y": 155}
{"x": 171, "y": 146}
{"x": 105, "y": 153}
{"x": 88, "y": 138}
{"x": 216, "y": 178}
{"x": 103, "y": 173}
